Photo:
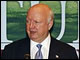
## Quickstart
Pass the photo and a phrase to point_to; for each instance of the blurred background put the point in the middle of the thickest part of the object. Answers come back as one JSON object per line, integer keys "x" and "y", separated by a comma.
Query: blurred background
{"x": 16, "y": 19}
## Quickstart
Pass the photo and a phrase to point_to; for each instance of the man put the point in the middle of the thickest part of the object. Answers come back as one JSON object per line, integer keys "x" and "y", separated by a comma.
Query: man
{"x": 40, "y": 44}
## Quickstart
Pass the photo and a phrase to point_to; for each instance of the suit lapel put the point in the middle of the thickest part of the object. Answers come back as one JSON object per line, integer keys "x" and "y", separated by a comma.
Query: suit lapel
{"x": 27, "y": 49}
{"x": 23, "y": 50}
{"x": 53, "y": 51}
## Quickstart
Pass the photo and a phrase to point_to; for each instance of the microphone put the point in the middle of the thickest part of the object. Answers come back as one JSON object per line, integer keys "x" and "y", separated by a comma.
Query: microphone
{"x": 27, "y": 56}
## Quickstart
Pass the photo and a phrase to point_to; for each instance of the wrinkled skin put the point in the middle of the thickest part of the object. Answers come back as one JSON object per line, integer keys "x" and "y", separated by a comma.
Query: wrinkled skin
{"x": 37, "y": 22}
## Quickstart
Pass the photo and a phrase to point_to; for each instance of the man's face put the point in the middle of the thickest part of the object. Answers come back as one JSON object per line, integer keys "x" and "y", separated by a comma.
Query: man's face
{"x": 37, "y": 25}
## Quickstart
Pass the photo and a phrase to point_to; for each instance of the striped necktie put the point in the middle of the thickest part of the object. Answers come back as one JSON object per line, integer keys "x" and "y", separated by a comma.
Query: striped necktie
{"x": 39, "y": 53}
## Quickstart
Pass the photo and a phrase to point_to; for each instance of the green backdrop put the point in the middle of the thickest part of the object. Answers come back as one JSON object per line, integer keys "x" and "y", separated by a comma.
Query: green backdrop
{"x": 16, "y": 19}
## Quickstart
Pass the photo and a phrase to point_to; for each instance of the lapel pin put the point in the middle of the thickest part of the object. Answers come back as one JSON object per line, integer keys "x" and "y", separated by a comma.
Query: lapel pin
{"x": 57, "y": 56}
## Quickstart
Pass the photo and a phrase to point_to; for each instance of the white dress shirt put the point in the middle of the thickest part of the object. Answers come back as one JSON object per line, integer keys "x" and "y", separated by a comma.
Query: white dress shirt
{"x": 45, "y": 48}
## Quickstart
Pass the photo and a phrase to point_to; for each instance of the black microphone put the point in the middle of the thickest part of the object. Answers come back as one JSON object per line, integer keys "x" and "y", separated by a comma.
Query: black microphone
{"x": 27, "y": 56}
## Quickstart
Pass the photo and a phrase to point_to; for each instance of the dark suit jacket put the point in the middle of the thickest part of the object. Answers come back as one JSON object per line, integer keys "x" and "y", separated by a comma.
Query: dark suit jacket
{"x": 17, "y": 49}
{"x": 58, "y": 50}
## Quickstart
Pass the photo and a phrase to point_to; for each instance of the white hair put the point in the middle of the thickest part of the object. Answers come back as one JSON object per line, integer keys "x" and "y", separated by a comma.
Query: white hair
{"x": 51, "y": 15}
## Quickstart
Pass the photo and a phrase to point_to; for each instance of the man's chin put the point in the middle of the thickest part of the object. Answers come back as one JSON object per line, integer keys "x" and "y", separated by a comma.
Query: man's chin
{"x": 32, "y": 38}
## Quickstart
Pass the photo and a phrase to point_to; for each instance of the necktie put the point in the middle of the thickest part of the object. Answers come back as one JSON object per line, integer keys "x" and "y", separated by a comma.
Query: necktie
{"x": 39, "y": 53}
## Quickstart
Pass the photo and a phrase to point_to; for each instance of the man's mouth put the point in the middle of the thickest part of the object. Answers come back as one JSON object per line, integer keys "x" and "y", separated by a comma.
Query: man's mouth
{"x": 32, "y": 32}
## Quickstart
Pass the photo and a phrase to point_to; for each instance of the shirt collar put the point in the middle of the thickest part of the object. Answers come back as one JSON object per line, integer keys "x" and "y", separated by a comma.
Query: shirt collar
{"x": 45, "y": 43}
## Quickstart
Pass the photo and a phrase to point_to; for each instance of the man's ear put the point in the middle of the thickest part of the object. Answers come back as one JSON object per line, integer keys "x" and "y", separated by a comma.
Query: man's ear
{"x": 50, "y": 24}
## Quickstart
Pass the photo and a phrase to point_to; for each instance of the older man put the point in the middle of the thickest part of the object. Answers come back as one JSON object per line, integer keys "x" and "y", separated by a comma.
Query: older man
{"x": 40, "y": 44}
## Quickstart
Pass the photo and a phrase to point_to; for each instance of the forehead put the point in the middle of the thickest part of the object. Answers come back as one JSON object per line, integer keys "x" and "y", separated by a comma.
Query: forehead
{"x": 37, "y": 14}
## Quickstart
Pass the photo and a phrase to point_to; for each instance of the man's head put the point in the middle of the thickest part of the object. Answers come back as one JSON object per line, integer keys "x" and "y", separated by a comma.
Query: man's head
{"x": 39, "y": 21}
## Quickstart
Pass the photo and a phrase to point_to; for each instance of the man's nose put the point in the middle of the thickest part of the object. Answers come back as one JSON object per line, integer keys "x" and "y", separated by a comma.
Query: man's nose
{"x": 32, "y": 25}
